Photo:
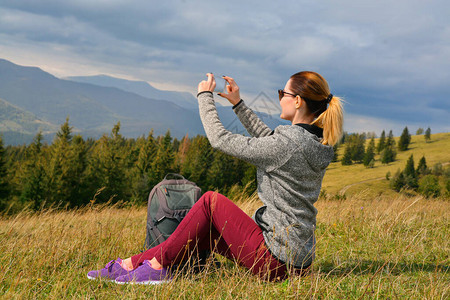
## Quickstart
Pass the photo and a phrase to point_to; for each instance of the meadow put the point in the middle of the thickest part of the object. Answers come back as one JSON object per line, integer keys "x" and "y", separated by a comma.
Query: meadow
{"x": 372, "y": 244}
{"x": 369, "y": 183}
{"x": 372, "y": 249}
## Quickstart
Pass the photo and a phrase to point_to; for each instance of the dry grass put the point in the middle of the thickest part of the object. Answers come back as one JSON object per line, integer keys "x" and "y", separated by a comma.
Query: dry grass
{"x": 381, "y": 248}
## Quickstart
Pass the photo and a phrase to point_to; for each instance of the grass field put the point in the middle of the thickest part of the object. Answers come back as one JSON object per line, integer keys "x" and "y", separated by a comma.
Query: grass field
{"x": 383, "y": 248}
{"x": 372, "y": 244}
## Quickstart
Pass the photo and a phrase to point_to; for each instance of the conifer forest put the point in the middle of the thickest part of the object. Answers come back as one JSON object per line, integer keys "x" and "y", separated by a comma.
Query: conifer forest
{"x": 73, "y": 172}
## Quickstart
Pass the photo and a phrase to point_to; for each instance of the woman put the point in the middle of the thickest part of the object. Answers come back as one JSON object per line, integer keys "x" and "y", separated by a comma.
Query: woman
{"x": 291, "y": 162}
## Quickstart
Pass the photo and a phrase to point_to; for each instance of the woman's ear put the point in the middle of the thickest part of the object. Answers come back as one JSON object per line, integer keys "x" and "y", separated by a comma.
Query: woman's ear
{"x": 298, "y": 101}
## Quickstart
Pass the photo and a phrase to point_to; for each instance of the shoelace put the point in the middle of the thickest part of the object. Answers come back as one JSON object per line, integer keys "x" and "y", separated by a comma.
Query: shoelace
{"x": 110, "y": 265}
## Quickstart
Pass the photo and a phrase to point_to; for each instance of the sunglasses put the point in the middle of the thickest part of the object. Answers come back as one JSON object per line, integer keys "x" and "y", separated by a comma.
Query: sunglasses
{"x": 282, "y": 92}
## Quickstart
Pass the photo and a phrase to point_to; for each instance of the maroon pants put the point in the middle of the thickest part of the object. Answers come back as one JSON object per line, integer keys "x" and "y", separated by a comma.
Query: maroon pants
{"x": 215, "y": 223}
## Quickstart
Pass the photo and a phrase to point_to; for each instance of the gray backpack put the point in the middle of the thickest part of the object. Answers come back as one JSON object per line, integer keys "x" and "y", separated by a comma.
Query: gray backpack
{"x": 168, "y": 203}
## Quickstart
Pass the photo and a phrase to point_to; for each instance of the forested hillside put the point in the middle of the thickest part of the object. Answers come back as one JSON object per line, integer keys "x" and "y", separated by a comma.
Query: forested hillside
{"x": 72, "y": 171}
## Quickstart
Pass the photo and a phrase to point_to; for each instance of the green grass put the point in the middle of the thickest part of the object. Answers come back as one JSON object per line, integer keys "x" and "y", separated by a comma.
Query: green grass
{"x": 382, "y": 248}
{"x": 369, "y": 183}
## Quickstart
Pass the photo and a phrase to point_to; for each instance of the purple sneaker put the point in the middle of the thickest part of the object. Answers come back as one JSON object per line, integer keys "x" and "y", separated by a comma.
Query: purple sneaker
{"x": 145, "y": 274}
{"x": 111, "y": 271}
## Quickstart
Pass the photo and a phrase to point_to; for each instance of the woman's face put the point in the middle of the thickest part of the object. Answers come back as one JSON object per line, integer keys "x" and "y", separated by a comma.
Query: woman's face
{"x": 288, "y": 103}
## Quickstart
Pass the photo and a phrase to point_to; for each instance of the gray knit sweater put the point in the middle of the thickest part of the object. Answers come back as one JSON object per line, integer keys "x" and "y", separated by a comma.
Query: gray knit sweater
{"x": 290, "y": 163}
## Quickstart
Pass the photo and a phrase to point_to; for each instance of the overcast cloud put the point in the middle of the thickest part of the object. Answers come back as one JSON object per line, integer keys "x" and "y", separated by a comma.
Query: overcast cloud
{"x": 390, "y": 60}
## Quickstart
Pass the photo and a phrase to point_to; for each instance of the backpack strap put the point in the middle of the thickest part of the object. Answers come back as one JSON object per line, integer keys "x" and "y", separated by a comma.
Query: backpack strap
{"x": 180, "y": 214}
{"x": 157, "y": 235}
{"x": 163, "y": 208}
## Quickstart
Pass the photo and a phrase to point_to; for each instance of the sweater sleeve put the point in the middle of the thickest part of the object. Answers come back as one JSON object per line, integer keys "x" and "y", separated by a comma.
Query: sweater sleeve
{"x": 268, "y": 152}
{"x": 254, "y": 125}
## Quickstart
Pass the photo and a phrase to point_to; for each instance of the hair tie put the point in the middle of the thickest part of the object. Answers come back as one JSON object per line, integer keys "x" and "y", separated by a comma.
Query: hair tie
{"x": 330, "y": 96}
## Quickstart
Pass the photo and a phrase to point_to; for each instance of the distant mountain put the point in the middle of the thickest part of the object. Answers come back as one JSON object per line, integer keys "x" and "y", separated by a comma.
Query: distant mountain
{"x": 13, "y": 118}
{"x": 18, "y": 126}
{"x": 93, "y": 110}
{"x": 142, "y": 88}
{"x": 33, "y": 100}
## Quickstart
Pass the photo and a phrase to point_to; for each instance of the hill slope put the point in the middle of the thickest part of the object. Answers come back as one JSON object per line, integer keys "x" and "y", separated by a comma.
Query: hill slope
{"x": 15, "y": 119}
{"x": 356, "y": 178}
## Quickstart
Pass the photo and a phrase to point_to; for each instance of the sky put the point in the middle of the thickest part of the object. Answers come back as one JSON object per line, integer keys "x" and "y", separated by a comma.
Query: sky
{"x": 389, "y": 60}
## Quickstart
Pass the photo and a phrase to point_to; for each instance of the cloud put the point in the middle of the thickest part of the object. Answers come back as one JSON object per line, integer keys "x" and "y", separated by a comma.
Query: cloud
{"x": 390, "y": 60}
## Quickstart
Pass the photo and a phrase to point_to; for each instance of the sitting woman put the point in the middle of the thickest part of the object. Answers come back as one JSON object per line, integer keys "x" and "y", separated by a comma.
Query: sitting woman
{"x": 291, "y": 162}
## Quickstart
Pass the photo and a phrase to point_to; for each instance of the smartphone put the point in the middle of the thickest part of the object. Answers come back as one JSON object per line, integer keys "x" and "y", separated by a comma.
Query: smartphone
{"x": 220, "y": 85}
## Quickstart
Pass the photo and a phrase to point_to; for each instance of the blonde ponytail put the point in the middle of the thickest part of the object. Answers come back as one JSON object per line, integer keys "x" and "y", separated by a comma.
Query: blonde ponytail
{"x": 314, "y": 89}
{"x": 331, "y": 120}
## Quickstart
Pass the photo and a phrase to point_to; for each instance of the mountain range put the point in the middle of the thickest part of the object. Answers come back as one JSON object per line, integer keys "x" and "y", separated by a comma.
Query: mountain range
{"x": 141, "y": 88}
{"x": 32, "y": 100}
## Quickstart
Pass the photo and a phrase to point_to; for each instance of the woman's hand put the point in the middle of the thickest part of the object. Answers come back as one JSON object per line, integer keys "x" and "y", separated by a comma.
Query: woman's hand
{"x": 207, "y": 85}
{"x": 232, "y": 88}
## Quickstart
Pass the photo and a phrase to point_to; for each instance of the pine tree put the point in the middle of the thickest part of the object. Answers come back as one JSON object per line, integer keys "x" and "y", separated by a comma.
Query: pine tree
{"x": 409, "y": 168}
{"x": 78, "y": 162}
{"x": 388, "y": 154}
{"x": 198, "y": 160}
{"x": 335, "y": 152}
{"x": 428, "y": 134}
{"x": 175, "y": 145}
{"x": 147, "y": 153}
{"x": 239, "y": 168}
{"x": 34, "y": 175}
{"x": 381, "y": 142}
{"x": 132, "y": 148}
{"x": 358, "y": 149}
{"x": 404, "y": 141}
{"x": 344, "y": 137}
{"x": 164, "y": 160}
{"x": 59, "y": 169}
{"x": 249, "y": 178}
{"x": 221, "y": 173}
{"x": 66, "y": 169}
{"x": 419, "y": 131}
{"x": 398, "y": 181}
{"x": 117, "y": 180}
{"x": 4, "y": 184}
{"x": 422, "y": 168}
{"x": 143, "y": 177}
{"x": 410, "y": 174}
{"x": 390, "y": 140}
{"x": 65, "y": 132}
{"x": 370, "y": 153}
{"x": 107, "y": 168}
{"x": 347, "y": 158}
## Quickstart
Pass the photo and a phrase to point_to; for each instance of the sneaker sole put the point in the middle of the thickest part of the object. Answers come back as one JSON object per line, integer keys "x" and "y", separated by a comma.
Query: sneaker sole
{"x": 150, "y": 282}
{"x": 95, "y": 278}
